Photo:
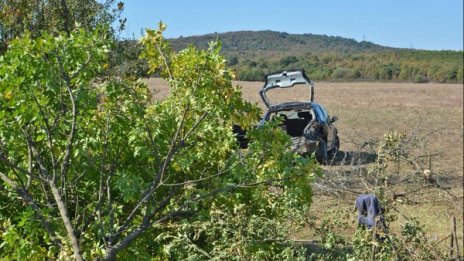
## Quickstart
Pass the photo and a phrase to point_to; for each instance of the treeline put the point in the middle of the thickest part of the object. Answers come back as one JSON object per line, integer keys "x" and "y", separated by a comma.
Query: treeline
{"x": 401, "y": 65}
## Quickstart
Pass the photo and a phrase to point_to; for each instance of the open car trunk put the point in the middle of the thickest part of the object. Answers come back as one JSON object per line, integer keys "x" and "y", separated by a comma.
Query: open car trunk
{"x": 294, "y": 86}
{"x": 294, "y": 124}
{"x": 289, "y": 97}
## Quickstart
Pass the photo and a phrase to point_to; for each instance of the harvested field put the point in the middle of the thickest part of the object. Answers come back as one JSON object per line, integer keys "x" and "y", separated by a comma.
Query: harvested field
{"x": 366, "y": 111}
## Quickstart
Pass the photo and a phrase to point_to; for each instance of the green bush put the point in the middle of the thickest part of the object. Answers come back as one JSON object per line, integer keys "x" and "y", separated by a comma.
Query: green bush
{"x": 419, "y": 78}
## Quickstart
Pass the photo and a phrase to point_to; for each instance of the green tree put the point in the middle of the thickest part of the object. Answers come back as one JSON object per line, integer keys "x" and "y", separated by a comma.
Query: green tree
{"x": 44, "y": 83}
{"x": 233, "y": 61}
{"x": 288, "y": 60}
{"x": 106, "y": 172}
{"x": 37, "y": 16}
{"x": 459, "y": 75}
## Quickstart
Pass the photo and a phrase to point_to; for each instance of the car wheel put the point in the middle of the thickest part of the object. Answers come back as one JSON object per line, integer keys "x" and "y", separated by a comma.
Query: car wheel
{"x": 321, "y": 152}
{"x": 336, "y": 147}
{"x": 334, "y": 150}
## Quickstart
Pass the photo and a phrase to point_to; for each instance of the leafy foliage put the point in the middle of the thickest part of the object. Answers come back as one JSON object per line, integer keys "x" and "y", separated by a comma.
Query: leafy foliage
{"x": 43, "y": 81}
{"x": 106, "y": 172}
{"x": 409, "y": 244}
{"x": 35, "y": 17}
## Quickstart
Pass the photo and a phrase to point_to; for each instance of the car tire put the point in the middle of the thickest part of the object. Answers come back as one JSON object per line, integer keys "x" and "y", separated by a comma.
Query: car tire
{"x": 336, "y": 147}
{"x": 332, "y": 154}
{"x": 321, "y": 152}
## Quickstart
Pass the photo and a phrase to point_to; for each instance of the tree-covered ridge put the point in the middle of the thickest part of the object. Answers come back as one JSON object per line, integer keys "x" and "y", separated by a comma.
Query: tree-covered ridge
{"x": 249, "y": 41}
{"x": 255, "y": 54}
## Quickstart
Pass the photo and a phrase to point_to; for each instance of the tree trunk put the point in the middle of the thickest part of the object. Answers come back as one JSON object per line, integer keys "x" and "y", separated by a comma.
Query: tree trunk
{"x": 67, "y": 222}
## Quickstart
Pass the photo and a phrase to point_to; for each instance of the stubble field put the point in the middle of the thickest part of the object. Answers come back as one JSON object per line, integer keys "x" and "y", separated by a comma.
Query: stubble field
{"x": 368, "y": 110}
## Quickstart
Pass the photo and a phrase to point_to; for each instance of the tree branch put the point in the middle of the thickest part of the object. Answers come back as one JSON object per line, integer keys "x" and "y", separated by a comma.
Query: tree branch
{"x": 112, "y": 251}
{"x": 24, "y": 194}
{"x": 66, "y": 220}
{"x": 49, "y": 134}
{"x": 68, "y": 151}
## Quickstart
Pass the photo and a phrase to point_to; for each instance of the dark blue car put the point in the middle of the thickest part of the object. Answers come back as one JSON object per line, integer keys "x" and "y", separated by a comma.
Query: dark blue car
{"x": 289, "y": 96}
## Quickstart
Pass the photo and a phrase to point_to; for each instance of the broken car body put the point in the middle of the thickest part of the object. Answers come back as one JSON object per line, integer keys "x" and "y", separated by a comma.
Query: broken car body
{"x": 305, "y": 121}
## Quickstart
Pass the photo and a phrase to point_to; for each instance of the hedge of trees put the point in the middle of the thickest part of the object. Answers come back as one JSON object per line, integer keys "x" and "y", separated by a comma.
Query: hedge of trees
{"x": 404, "y": 65}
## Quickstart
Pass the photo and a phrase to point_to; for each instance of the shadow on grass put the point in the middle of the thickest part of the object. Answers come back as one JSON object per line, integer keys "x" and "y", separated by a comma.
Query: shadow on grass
{"x": 352, "y": 158}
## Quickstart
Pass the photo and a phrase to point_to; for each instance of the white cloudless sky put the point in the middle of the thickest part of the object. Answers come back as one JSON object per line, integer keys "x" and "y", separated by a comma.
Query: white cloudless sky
{"x": 421, "y": 24}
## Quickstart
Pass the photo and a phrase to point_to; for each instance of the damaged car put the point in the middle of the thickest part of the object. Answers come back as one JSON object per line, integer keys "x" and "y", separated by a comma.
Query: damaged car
{"x": 289, "y": 98}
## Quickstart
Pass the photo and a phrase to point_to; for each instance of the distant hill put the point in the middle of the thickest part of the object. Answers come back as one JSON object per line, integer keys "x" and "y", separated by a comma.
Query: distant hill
{"x": 253, "y": 54}
{"x": 271, "y": 41}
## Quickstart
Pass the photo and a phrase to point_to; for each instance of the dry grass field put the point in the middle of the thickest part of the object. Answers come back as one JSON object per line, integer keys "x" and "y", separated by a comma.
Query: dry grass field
{"x": 366, "y": 111}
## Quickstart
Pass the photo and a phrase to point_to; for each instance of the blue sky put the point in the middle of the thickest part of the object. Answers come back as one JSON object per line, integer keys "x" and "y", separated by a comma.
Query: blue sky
{"x": 421, "y": 24}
